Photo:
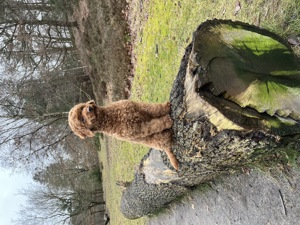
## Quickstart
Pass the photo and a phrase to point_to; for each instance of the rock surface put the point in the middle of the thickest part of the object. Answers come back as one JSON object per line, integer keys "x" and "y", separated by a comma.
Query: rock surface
{"x": 258, "y": 198}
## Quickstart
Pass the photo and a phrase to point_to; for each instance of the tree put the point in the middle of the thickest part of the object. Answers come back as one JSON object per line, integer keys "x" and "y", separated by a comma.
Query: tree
{"x": 67, "y": 173}
{"x": 67, "y": 195}
{"x": 56, "y": 206}
{"x": 34, "y": 116}
{"x": 40, "y": 61}
{"x": 34, "y": 35}
{"x": 234, "y": 102}
{"x": 43, "y": 79}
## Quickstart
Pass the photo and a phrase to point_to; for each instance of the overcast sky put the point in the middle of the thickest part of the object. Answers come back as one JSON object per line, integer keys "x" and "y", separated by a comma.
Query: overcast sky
{"x": 10, "y": 201}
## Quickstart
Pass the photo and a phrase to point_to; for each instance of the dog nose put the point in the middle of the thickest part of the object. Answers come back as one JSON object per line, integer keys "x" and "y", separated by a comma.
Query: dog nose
{"x": 90, "y": 109}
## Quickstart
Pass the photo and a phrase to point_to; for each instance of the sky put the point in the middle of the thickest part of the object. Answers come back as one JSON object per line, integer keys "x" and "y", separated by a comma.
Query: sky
{"x": 10, "y": 200}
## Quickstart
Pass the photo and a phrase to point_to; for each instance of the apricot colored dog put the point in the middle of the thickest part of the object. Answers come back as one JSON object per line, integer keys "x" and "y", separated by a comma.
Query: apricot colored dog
{"x": 147, "y": 124}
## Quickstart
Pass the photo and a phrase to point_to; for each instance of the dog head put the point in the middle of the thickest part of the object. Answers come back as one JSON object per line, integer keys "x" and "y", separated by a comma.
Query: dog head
{"x": 82, "y": 118}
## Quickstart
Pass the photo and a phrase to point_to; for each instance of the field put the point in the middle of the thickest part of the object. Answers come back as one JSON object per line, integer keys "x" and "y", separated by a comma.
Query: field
{"x": 160, "y": 31}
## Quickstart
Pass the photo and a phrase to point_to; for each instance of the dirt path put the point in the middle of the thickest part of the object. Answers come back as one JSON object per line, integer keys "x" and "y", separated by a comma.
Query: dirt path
{"x": 258, "y": 198}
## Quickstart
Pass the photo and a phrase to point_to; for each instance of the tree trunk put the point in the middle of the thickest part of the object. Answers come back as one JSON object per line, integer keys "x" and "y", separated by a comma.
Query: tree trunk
{"x": 212, "y": 136}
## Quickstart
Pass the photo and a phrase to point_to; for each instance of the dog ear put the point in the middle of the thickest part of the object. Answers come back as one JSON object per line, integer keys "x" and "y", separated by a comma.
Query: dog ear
{"x": 84, "y": 132}
{"x": 91, "y": 102}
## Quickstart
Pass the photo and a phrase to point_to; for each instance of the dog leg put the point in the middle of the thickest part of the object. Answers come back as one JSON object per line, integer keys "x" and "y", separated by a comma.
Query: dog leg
{"x": 156, "y": 109}
{"x": 155, "y": 126}
{"x": 162, "y": 141}
{"x": 172, "y": 158}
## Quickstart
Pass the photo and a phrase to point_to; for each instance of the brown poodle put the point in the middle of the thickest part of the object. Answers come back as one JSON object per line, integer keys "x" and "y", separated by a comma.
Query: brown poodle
{"x": 148, "y": 124}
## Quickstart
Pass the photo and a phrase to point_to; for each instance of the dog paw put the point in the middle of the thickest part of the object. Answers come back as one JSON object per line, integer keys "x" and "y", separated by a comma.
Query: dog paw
{"x": 169, "y": 119}
{"x": 168, "y": 105}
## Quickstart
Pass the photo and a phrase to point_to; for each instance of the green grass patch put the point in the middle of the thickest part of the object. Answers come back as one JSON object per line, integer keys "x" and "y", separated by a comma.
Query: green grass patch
{"x": 119, "y": 162}
{"x": 159, "y": 49}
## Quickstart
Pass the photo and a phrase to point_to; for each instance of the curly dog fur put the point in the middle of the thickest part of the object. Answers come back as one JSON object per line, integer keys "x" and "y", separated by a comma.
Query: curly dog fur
{"x": 147, "y": 124}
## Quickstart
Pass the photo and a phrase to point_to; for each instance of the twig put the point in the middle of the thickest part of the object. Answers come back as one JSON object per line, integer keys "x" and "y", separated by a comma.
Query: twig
{"x": 282, "y": 201}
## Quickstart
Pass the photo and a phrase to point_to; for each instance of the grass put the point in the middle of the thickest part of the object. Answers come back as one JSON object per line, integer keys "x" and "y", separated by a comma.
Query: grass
{"x": 118, "y": 166}
{"x": 159, "y": 48}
